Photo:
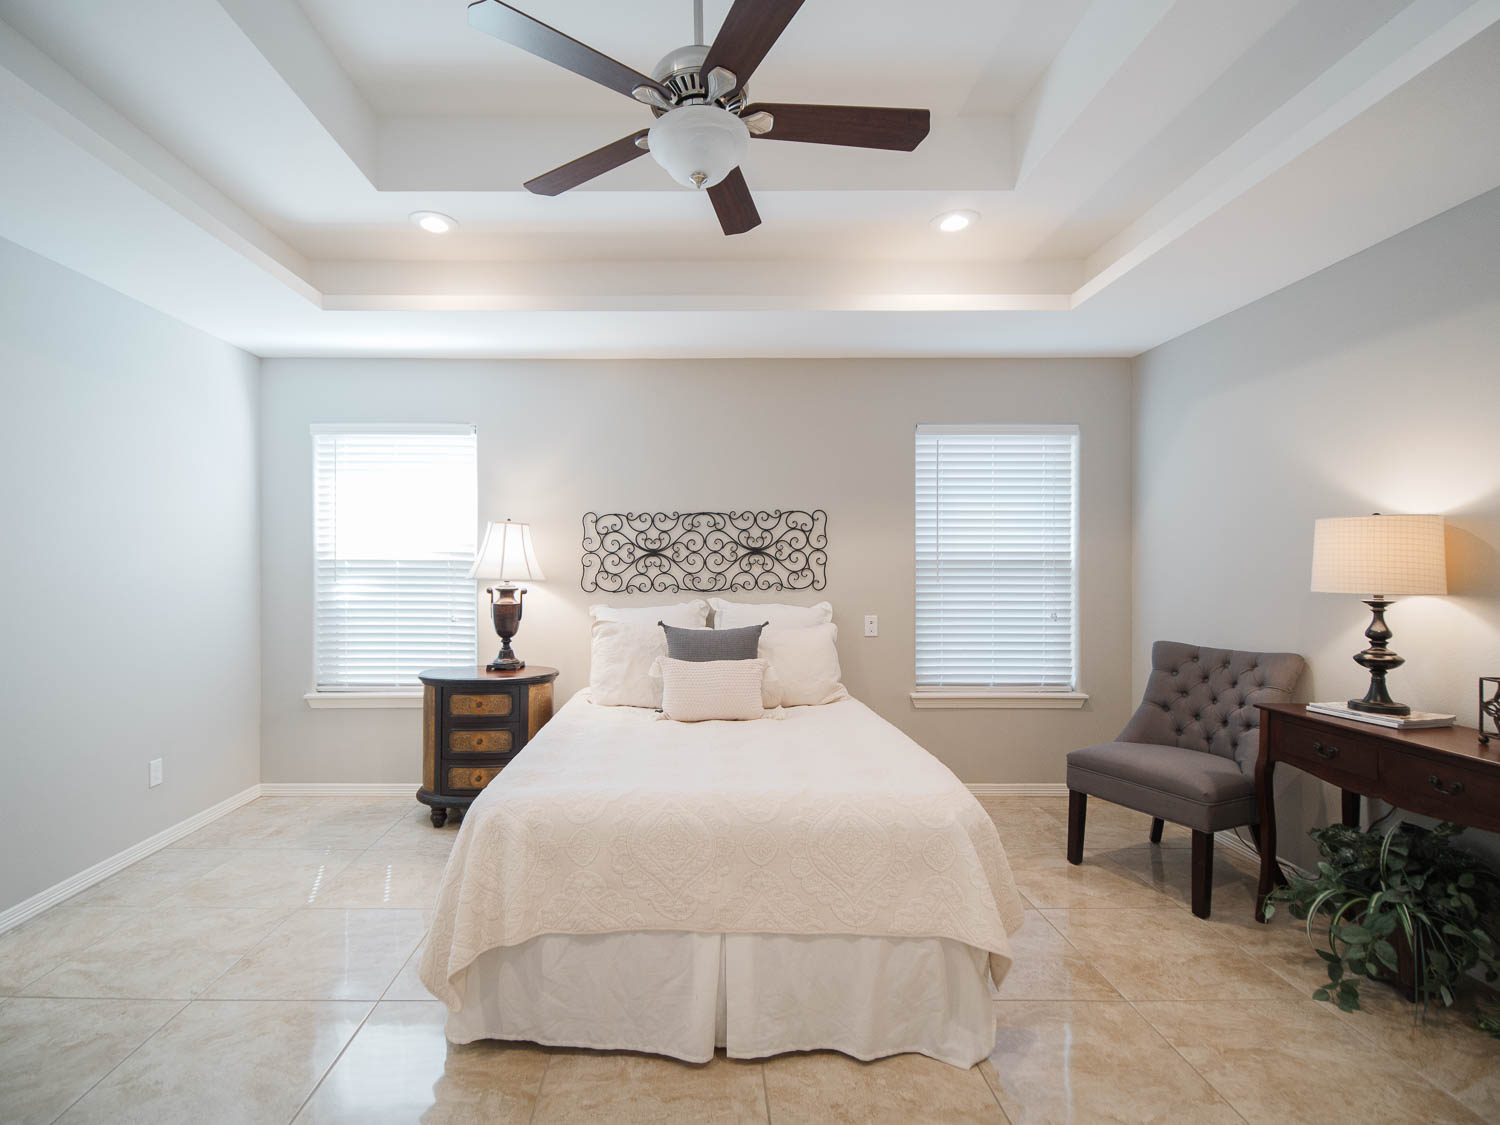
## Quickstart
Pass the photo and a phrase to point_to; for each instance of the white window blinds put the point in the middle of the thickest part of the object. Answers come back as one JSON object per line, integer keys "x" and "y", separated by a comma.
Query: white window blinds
{"x": 996, "y": 557}
{"x": 395, "y": 511}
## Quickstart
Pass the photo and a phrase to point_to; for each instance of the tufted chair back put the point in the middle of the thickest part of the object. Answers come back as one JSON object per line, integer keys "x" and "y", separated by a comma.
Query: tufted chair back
{"x": 1206, "y": 698}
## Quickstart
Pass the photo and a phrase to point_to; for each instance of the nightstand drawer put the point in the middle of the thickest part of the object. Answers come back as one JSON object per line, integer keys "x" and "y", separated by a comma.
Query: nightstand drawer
{"x": 1336, "y": 750}
{"x": 481, "y": 741}
{"x": 471, "y": 778}
{"x": 1438, "y": 789}
{"x": 489, "y": 703}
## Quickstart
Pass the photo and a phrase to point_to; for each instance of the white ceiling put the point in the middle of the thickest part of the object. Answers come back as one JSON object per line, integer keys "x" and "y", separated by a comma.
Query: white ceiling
{"x": 1141, "y": 166}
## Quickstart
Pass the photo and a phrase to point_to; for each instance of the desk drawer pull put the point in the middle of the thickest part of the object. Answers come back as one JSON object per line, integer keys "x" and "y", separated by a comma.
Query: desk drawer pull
{"x": 1448, "y": 788}
{"x": 1327, "y": 753}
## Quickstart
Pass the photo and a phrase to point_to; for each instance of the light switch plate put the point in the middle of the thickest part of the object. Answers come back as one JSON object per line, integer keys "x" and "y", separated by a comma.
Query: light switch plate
{"x": 155, "y": 773}
{"x": 872, "y": 625}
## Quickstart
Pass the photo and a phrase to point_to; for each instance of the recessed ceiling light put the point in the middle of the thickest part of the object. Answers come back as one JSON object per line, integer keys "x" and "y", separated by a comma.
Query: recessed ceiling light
{"x": 952, "y": 221}
{"x": 433, "y": 222}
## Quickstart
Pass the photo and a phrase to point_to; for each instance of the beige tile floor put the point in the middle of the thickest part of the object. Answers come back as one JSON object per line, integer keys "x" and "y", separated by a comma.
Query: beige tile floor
{"x": 264, "y": 970}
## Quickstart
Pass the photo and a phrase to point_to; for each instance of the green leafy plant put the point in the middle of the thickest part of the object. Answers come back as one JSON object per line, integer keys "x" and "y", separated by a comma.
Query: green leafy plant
{"x": 1405, "y": 891}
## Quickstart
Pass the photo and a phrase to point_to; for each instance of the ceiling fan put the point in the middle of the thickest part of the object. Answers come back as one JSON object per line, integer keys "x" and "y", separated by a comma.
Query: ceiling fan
{"x": 704, "y": 119}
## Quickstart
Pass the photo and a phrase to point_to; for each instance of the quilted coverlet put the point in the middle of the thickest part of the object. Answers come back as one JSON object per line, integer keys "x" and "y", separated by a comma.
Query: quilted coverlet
{"x": 829, "y": 822}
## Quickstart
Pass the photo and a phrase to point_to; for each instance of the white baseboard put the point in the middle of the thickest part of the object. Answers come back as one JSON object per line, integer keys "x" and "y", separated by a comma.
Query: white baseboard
{"x": 1018, "y": 789}
{"x": 31, "y": 907}
{"x": 339, "y": 789}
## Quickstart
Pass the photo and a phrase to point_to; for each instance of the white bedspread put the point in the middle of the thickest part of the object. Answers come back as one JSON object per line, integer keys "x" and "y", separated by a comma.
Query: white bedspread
{"x": 829, "y": 822}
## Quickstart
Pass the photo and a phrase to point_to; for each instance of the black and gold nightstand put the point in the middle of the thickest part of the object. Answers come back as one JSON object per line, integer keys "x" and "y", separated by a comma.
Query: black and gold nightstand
{"x": 473, "y": 722}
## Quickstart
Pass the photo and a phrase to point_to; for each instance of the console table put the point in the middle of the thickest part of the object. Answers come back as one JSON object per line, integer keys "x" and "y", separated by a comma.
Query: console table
{"x": 1445, "y": 772}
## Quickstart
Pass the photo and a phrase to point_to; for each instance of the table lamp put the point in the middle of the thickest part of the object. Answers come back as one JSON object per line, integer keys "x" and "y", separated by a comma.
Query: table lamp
{"x": 1389, "y": 554}
{"x": 506, "y": 554}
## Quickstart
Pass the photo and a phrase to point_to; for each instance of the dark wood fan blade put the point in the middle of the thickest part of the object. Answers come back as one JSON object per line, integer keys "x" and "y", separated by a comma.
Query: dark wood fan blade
{"x": 732, "y": 203}
{"x": 856, "y": 126}
{"x": 585, "y": 168}
{"x": 749, "y": 30}
{"x": 520, "y": 30}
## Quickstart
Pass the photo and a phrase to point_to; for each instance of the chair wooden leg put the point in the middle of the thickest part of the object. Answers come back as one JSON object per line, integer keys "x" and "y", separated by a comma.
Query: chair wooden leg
{"x": 1077, "y": 811}
{"x": 1203, "y": 873}
{"x": 1156, "y": 826}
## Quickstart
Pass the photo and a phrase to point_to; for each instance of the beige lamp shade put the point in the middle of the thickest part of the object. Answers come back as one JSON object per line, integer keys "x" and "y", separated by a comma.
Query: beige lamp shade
{"x": 507, "y": 554}
{"x": 1379, "y": 555}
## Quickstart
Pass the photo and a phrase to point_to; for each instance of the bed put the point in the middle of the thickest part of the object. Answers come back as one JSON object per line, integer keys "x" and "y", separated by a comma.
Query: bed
{"x": 813, "y": 880}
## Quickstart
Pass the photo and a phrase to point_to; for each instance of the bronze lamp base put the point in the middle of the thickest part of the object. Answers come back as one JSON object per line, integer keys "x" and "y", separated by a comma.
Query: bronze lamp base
{"x": 506, "y": 611}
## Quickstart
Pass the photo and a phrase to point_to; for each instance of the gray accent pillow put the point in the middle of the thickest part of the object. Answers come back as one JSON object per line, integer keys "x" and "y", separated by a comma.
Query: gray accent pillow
{"x": 699, "y": 645}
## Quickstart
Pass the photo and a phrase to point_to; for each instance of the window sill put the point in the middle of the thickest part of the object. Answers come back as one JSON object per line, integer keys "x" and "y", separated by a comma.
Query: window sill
{"x": 351, "y": 700}
{"x": 1034, "y": 700}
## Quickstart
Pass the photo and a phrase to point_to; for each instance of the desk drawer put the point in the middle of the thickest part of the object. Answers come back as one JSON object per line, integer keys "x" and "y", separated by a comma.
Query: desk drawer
{"x": 1328, "y": 750}
{"x": 489, "y": 704}
{"x": 1452, "y": 792}
{"x": 471, "y": 779}
{"x": 481, "y": 741}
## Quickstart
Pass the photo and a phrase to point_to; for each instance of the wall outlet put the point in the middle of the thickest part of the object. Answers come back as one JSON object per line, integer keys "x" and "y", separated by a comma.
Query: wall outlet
{"x": 155, "y": 773}
{"x": 872, "y": 625}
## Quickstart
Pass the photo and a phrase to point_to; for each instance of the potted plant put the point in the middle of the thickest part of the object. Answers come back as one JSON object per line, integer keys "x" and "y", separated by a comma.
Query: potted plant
{"x": 1402, "y": 898}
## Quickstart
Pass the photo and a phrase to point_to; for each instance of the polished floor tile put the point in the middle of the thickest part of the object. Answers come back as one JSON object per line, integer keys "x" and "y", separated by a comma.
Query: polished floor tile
{"x": 590, "y": 1087}
{"x": 385, "y": 877}
{"x": 39, "y": 945}
{"x": 168, "y": 953}
{"x": 1045, "y": 966}
{"x": 1093, "y": 1062}
{"x": 289, "y": 878}
{"x": 1167, "y": 954}
{"x": 151, "y": 880}
{"x": 225, "y": 1062}
{"x": 1297, "y": 1061}
{"x": 400, "y": 1069}
{"x": 1051, "y": 882}
{"x": 52, "y": 1051}
{"x": 824, "y": 1086}
{"x": 408, "y": 985}
{"x": 240, "y": 968}
{"x": 325, "y": 955}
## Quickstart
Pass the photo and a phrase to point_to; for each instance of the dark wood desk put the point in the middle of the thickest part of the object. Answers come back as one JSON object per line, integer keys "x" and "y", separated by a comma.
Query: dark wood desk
{"x": 1445, "y": 772}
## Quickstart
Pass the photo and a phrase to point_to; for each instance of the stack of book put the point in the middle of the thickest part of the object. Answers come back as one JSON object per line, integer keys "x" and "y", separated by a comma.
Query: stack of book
{"x": 1417, "y": 720}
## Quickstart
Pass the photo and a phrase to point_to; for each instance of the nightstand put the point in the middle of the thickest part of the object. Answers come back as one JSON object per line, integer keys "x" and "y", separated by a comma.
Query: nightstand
{"x": 473, "y": 723}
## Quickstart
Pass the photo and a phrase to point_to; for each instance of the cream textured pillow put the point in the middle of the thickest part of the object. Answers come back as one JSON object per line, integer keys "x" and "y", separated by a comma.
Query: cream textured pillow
{"x": 770, "y": 683}
{"x": 693, "y": 691}
{"x": 736, "y": 615}
{"x": 620, "y": 657}
{"x": 806, "y": 661}
{"x": 684, "y": 615}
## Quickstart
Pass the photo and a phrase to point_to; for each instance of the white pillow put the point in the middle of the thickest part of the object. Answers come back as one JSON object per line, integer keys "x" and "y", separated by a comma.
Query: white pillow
{"x": 684, "y": 615}
{"x": 736, "y": 615}
{"x": 620, "y": 657}
{"x": 770, "y": 685}
{"x": 807, "y": 663}
{"x": 693, "y": 691}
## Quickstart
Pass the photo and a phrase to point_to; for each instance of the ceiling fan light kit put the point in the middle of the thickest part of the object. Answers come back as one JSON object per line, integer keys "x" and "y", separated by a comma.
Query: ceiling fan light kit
{"x": 698, "y": 145}
{"x": 704, "y": 120}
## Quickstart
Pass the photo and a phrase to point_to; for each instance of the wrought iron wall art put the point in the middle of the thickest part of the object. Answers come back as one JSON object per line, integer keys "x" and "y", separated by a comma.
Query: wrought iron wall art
{"x": 664, "y": 552}
{"x": 1489, "y": 708}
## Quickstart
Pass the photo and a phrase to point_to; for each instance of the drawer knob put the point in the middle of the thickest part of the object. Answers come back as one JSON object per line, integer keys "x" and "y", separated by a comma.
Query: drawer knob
{"x": 1325, "y": 752}
{"x": 1446, "y": 788}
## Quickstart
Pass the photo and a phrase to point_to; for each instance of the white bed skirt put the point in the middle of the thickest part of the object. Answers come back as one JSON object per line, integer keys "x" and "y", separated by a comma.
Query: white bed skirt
{"x": 681, "y": 994}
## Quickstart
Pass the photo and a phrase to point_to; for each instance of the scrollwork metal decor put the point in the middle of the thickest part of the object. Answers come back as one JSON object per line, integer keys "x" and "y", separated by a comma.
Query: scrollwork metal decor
{"x": 700, "y": 552}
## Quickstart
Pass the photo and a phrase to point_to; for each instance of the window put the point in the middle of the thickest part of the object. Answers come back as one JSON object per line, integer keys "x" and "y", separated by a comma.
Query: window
{"x": 997, "y": 578}
{"x": 394, "y": 531}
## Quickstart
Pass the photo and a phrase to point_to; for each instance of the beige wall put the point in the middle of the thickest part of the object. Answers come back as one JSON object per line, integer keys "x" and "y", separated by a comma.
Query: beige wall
{"x": 129, "y": 525}
{"x": 558, "y": 439}
{"x": 1372, "y": 386}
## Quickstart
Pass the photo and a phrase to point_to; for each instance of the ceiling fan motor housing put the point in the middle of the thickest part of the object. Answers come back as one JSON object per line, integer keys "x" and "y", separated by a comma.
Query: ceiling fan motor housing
{"x": 680, "y": 71}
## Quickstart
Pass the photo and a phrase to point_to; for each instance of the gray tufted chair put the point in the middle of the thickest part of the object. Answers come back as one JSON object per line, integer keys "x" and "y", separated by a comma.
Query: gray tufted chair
{"x": 1188, "y": 753}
